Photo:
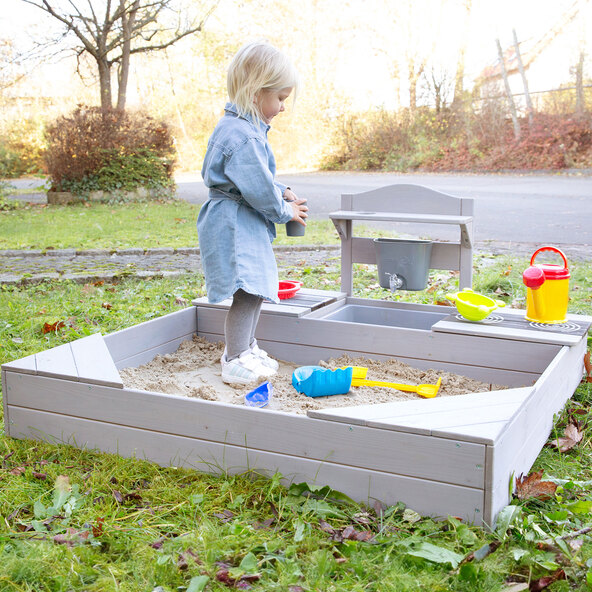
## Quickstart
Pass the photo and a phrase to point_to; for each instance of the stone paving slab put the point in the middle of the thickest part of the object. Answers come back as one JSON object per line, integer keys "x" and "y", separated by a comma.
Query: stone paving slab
{"x": 27, "y": 267}
{"x": 84, "y": 265}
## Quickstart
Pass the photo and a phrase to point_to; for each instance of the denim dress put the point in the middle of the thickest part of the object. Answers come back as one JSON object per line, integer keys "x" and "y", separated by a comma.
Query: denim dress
{"x": 236, "y": 225}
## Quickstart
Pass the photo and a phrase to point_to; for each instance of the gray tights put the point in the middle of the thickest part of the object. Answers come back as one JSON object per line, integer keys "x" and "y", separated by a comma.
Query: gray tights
{"x": 241, "y": 322}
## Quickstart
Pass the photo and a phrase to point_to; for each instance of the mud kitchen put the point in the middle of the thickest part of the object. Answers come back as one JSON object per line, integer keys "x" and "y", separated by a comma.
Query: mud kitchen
{"x": 440, "y": 455}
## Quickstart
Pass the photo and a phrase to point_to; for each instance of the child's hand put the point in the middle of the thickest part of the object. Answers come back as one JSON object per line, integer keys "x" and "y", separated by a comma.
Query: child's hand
{"x": 299, "y": 210}
{"x": 289, "y": 195}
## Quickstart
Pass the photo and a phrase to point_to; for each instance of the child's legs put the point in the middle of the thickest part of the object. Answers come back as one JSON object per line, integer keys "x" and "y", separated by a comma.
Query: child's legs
{"x": 240, "y": 323}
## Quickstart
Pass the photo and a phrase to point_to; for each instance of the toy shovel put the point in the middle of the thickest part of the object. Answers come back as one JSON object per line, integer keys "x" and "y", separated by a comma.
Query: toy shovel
{"x": 315, "y": 381}
{"x": 423, "y": 390}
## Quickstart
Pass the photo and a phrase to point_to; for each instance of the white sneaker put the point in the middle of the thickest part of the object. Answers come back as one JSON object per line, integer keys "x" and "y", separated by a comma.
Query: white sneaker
{"x": 264, "y": 357}
{"x": 245, "y": 369}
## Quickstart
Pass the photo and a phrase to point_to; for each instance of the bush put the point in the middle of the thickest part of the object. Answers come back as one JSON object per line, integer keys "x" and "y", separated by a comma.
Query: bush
{"x": 21, "y": 149}
{"x": 452, "y": 141}
{"x": 93, "y": 149}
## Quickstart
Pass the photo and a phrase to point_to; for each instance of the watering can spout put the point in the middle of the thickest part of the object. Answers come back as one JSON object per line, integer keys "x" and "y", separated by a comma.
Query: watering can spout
{"x": 533, "y": 278}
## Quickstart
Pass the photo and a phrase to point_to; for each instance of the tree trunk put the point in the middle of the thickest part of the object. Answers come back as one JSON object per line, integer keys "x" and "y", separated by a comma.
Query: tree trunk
{"x": 127, "y": 24}
{"x": 524, "y": 80}
{"x": 508, "y": 91}
{"x": 580, "y": 99}
{"x": 460, "y": 65}
{"x": 105, "y": 83}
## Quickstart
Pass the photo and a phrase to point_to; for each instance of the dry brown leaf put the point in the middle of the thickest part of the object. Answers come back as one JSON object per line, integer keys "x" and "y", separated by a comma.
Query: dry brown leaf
{"x": 572, "y": 436}
{"x": 542, "y": 583}
{"x": 588, "y": 367}
{"x": 107, "y": 305}
{"x": 49, "y": 327}
{"x": 532, "y": 487}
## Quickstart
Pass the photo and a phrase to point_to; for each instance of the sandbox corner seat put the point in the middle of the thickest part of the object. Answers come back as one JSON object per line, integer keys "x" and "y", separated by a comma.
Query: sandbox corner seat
{"x": 405, "y": 203}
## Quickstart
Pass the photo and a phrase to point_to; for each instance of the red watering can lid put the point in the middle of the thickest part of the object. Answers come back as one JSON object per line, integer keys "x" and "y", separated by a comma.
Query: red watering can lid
{"x": 533, "y": 277}
{"x": 551, "y": 272}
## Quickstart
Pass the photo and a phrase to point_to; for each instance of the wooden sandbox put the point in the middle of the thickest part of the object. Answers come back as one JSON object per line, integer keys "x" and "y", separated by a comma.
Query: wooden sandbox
{"x": 441, "y": 456}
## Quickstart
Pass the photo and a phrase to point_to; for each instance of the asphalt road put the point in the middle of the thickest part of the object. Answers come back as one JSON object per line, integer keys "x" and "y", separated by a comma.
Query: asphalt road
{"x": 531, "y": 208}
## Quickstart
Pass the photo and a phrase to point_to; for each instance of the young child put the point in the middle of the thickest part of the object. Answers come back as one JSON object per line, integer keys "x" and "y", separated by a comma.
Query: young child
{"x": 236, "y": 226}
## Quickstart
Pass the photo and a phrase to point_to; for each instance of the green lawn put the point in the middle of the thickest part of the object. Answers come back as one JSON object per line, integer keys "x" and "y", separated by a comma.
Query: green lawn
{"x": 145, "y": 224}
{"x": 87, "y": 521}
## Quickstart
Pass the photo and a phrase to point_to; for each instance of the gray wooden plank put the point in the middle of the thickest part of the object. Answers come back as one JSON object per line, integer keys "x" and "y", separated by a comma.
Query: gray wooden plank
{"x": 148, "y": 355}
{"x": 145, "y": 336}
{"x": 484, "y": 433}
{"x": 443, "y": 255}
{"x": 27, "y": 365}
{"x": 407, "y": 197}
{"x": 398, "y": 217}
{"x": 432, "y": 410}
{"x": 94, "y": 362}
{"x": 444, "y": 419}
{"x": 57, "y": 362}
{"x": 521, "y": 442}
{"x": 306, "y": 355}
{"x": 501, "y": 332}
{"x": 426, "y": 497}
{"x": 398, "y": 343}
{"x": 282, "y": 309}
{"x": 6, "y": 416}
{"x": 276, "y": 431}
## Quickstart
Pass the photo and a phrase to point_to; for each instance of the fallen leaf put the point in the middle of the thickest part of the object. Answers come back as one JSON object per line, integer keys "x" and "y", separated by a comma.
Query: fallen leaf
{"x": 482, "y": 552}
{"x": 572, "y": 436}
{"x": 546, "y": 581}
{"x": 158, "y": 544}
{"x": 588, "y": 367}
{"x": 263, "y": 525}
{"x": 225, "y": 516}
{"x": 71, "y": 537}
{"x": 181, "y": 301}
{"x": 18, "y": 471}
{"x": 532, "y": 487}
{"x": 98, "y": 529}
{"x": 107, "y": 305}
{"x": 118, "y": 497}
{"x": 507, "y": 271}
{"x": 49, "y": 327}
{"x": 42, "y": 476}
{"x": 326, "y": 527}
{"x": 188, "y": 556}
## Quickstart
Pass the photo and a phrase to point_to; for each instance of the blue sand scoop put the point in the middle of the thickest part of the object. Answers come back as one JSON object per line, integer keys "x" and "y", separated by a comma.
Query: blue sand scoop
{"x": 316, "y": 381}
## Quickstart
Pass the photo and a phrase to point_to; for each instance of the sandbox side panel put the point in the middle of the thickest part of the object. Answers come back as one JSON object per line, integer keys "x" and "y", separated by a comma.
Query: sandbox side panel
{"x": 5, "y": 403}
{"x": 521, "y": 442}
{"x": 310, "y": 355}
{"x": 425, "y": 496}
{"x": 140, "y": 343}
{"x": 404, "y": 344}
{"x": 440, "y": 459}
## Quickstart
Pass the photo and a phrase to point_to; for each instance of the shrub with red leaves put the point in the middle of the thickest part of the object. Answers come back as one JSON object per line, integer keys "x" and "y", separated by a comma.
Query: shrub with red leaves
{"x": 79, "y": 143}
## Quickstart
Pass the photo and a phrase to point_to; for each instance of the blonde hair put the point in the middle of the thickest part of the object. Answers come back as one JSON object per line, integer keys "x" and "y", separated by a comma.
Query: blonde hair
{"x": 255, "y": 67}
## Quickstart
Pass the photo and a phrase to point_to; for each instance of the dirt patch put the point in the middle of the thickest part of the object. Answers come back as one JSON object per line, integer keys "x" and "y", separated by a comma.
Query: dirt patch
{"x": 194, "y": 371}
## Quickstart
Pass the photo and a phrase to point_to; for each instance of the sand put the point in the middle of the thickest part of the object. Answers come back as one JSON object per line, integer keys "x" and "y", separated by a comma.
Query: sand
{"x": 194, "y": 371}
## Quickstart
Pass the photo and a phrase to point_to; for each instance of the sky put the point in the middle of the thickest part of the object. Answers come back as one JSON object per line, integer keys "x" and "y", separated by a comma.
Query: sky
{"x": 367, "y": 53}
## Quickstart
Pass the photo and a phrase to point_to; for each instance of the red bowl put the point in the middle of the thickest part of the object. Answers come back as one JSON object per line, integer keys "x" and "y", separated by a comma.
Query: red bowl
{"x": 288, "y": 289}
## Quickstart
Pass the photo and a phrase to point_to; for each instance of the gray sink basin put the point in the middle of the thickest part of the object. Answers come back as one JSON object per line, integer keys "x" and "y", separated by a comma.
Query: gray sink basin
{"x": 386, "y": 317}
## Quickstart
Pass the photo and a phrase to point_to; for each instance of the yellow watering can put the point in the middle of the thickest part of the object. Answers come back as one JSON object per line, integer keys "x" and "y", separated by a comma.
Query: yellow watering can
{"x": 547, "y": 288}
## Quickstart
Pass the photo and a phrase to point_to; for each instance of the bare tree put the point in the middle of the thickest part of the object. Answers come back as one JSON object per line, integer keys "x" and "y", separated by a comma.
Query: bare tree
{"x": 438, "y": 84}
{"x": 111, "y": 31}
{"x": 467, "y": 6}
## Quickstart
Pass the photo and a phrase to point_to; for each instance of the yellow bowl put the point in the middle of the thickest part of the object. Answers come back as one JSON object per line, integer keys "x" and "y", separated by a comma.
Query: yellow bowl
{"x": 473, "y": 306}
